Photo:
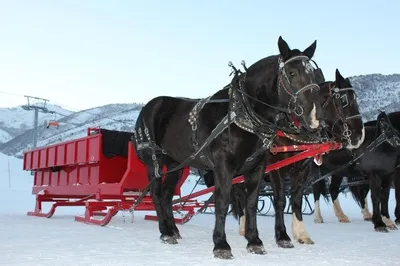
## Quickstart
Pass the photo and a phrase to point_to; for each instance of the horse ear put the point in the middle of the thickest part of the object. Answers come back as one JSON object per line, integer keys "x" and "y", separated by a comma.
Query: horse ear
{"x": 283, "y": 48}
{"x": 338, "y": 76}
{"x": 309, "y": 52}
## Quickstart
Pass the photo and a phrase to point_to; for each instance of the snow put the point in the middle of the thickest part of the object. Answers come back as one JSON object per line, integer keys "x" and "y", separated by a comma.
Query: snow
{"x": 4, "y": 136}
{"x": 27, "y": 240}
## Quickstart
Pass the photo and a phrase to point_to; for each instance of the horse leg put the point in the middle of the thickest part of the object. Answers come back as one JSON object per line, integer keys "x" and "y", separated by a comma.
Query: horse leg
{"x": 238, "y": 192}
{"x": 223, "y": 185}
{"x": 156, "y": 195}
{"x": 397, "y": 193}
{"x": 298, "y": 230}
{"x": 336, "y": 180}
{"x": 379, "y": 225}
{"x": 277, "y": 183}
{"x": 367, "y": 215}
{"x": 385, "y": 192}
{"x": 317, "y": 189}
{"x": 252, "y": 182}
{"x": 168, "y": 188}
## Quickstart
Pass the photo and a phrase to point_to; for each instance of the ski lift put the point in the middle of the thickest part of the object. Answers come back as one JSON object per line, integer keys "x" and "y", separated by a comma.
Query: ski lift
{"x": 53, "y": 123}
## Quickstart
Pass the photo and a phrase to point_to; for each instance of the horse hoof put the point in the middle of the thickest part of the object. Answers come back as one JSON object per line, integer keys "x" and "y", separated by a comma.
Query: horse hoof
{"x": 285, "y": 244}
{"x": 177, "y": 235}
{"x": 368, "y": 219}
{"x": 319, "y": 221}
{"x": 223, "y": 254}
{"x": 169, "y": 240}
{"x": 392, "y": 227}
{"x": 306, "y": 241}
{"x": 260, "y": 250}
{"x": 381, "y": 229}
{"x": 397, "y": 221}
{"x": 344, "y": 220}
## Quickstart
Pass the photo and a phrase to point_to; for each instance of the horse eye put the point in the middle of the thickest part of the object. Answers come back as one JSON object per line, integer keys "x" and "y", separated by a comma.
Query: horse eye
{"x": 292, "y": 74}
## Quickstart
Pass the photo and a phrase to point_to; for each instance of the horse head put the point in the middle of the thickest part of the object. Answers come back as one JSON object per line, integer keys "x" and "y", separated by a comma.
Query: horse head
{"x": 286, "y": 83}
{"x": 341, "y": 112}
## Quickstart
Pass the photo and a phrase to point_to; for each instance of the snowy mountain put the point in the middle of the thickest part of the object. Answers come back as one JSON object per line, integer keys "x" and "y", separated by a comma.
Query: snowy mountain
{"x": 375, "y": 91}
{"x": 15, "y": 121}
{"x": 113, "y": 116}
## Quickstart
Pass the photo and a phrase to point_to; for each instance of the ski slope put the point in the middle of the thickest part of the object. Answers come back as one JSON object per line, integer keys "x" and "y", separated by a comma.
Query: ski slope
{"x": 60, "y": 240}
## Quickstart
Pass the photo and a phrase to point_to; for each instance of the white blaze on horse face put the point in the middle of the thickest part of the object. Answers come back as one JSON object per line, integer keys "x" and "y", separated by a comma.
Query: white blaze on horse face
{"x": 313, "y": 118}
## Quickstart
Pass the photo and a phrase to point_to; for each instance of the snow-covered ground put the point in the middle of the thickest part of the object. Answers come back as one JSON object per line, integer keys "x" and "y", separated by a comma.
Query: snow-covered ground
{"x": 60, "y": 240}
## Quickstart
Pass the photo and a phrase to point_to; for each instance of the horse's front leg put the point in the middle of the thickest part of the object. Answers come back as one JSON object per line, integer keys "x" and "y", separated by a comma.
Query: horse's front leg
{"x": 375, "y": 181}
{"x": 298, "y": 229}
{"x": 277, "y": 183}
{"x": 334, "y": 188}
{"x": 252, "y": 181}
{"x": 223, "y": 184}
{"x": 385, "y": 193}
{"x": 318, "y": 189}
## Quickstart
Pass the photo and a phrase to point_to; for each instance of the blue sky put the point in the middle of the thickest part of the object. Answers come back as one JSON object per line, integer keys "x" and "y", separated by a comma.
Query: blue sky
{"x": 82, "y": 54}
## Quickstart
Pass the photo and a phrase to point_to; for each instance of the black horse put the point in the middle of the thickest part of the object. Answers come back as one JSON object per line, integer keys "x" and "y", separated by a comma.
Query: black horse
{"x": 223, "y": 132}
{"x": 375, "y": 165}
{"x": 343, "y": 121}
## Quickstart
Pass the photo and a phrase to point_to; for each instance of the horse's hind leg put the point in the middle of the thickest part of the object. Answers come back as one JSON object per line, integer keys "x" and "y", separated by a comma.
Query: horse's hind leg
{"x": 168, "y": 188}
{"x": 334, "y": 191}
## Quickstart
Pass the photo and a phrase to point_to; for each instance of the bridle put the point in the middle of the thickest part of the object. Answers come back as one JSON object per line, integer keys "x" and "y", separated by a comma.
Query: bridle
{"x": 298, "y": 109}
{"x": 339, "y": 94}
{"x": 237, "y": 89}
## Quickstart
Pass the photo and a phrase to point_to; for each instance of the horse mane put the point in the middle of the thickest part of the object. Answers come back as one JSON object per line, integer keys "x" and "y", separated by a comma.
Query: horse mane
{"x": 262, "y": 63}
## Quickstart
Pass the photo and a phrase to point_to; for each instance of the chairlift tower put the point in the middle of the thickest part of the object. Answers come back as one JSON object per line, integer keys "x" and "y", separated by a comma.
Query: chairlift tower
{"x": 37, "y": 105}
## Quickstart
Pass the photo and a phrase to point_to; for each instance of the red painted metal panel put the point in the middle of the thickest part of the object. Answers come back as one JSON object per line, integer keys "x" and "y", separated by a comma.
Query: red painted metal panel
{"x": 60, "y": 155}
{"x": 52, "y": 156}
{"x": 35, "y": 158}
{"x": 82, "y": 151}
{"x": 94, "y": 148}
{"x": 43, "y": 158}
{"x": 71, "y": 153}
